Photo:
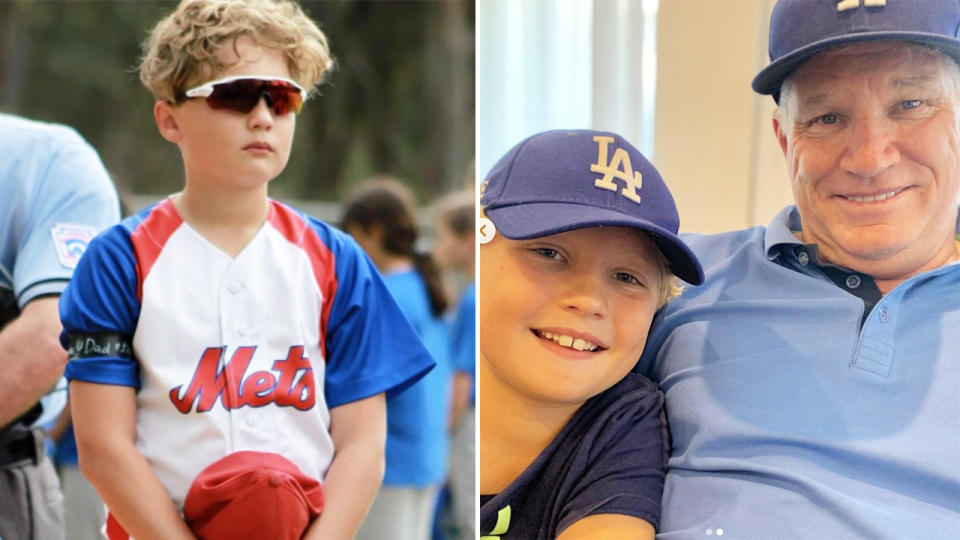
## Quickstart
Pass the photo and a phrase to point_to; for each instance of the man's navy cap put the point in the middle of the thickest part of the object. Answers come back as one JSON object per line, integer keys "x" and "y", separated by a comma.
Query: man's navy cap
{"x": 563, "y": 180}
{"x": 800, "y": 29}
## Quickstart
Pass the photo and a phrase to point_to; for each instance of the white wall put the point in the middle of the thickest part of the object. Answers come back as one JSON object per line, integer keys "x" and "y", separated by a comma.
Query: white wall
{"x": 714, "y": 136}
{"x": 549, "y": 64}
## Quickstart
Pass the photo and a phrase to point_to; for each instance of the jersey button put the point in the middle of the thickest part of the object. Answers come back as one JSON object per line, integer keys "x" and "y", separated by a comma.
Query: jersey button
{"x": 251, "y": 421}
{"x": 235, "y": 287}
{"x": 884, "y": 315}
{"x": 242, "y": 330}
{"x": 853, "y": 281}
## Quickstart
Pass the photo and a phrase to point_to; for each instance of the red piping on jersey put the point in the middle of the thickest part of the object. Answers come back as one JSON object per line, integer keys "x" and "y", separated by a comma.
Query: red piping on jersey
{"x": 115, "y": 530}
{"x": 293, "y": 227}
{"x": 150, "y": 236}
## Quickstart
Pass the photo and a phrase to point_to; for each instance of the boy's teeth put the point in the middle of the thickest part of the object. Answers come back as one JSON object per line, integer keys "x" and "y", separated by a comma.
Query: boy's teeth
{"x": 569, "y": 341}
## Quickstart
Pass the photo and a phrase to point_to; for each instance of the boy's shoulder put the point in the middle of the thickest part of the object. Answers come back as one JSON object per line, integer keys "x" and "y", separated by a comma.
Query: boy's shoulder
{"x": 299, "y": 227}
{"x": 634, "y": 393}
{"x": 617, "y": 433}
{"x": 632, "y": 405}
{"x": 161, "y": 218}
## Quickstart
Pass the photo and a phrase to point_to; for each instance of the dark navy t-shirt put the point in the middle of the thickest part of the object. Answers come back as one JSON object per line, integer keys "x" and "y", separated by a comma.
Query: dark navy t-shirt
{"x": 610, "y": 458}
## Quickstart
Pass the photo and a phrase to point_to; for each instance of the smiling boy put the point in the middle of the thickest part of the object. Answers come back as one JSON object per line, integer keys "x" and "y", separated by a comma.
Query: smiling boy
{"x": 585, "y": 253}
{"x": 239, "y": 351}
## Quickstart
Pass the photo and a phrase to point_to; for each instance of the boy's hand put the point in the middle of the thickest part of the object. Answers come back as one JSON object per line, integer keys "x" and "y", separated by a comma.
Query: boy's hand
{"x": 359, "y": 432}
{"x": 104, "y": 418}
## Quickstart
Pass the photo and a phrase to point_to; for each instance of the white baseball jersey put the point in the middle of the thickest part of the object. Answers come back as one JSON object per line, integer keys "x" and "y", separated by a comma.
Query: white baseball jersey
{"x": 230, "y": 354}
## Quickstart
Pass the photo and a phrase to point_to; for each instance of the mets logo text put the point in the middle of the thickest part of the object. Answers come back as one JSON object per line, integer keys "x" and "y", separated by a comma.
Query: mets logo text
{"x": 235, "y": 389}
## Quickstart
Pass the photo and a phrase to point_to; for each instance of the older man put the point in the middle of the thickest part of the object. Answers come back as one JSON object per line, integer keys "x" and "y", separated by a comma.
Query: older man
{"x": 813, "y": 382}
{"x": 54, "y": 196}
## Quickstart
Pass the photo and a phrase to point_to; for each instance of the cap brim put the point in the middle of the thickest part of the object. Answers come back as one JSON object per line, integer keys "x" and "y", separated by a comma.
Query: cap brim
{"x": 533, "y": 220}
{"x": 770, "y": 78}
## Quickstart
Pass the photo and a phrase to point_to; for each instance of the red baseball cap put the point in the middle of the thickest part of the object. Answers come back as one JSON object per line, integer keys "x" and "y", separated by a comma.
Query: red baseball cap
{"x": 252, "y": 495}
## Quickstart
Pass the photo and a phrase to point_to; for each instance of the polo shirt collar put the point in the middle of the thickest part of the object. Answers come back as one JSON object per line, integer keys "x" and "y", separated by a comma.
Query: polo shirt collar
{"x": 779, "y": 233}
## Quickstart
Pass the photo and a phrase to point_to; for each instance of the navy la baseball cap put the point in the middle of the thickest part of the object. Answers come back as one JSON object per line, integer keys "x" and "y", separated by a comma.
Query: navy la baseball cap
{"x": 800, "y": 29}
{"x": 558, "y": 181}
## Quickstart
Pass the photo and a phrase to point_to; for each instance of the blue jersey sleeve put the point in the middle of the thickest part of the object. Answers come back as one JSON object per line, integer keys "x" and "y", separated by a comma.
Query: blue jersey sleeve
{"x": 371, "y": 347}
{"x": 70, "y": 198}
{"x": 99, "y": 312}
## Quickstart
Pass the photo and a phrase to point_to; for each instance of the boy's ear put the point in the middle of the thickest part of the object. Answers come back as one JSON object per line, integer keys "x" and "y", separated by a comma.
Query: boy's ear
{"x": 167, "y": 124}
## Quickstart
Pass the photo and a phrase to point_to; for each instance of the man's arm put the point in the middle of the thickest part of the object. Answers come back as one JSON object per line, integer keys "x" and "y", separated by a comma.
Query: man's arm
{"x": 105, "y": 420}
{"x": 359, "y": 431}
{"x": 31, "y": 357}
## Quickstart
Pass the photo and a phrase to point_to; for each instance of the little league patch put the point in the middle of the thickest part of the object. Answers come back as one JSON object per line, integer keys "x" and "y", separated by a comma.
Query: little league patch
{"x": 71, "y": 241}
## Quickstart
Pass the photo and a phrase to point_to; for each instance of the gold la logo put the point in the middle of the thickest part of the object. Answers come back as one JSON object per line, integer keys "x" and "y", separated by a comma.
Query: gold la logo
{"x": 618, "y": 168}
{"x": 854, "y": 4}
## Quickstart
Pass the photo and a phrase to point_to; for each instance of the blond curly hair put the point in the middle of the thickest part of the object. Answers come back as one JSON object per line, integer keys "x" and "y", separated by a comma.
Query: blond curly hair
{"x": 670, "y": 285}
{"x": 181, "y": 50}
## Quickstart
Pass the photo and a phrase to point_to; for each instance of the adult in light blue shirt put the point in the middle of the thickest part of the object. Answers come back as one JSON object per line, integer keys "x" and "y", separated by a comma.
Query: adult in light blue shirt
{"x": 811, "y": 382}
{"x": 55, "y": 195}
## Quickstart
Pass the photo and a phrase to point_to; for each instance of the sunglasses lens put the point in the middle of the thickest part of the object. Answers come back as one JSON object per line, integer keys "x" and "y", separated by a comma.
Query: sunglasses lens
{"x": 284, "y": 97}
{"x": 241, "y": 96}
{"x": 244, "y": 94}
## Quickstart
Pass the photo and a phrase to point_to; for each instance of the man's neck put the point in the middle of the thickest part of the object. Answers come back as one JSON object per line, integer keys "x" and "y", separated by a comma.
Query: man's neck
{"x": 949, "y": 255}
{"x": 889, "y": 272}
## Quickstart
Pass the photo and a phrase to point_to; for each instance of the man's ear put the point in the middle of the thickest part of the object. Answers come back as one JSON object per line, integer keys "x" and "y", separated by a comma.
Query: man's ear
{"x": 779, "y": 132}
{"x": 167, "y": 123}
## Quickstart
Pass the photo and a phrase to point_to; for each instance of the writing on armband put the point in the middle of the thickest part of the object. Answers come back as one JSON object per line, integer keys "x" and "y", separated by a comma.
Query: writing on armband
{"x": 87, "y": 345}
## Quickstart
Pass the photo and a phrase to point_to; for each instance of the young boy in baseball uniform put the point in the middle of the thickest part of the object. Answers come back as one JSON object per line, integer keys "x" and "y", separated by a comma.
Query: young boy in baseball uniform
{"x": 579, "y": 252}
{"x": 228, "y": 353}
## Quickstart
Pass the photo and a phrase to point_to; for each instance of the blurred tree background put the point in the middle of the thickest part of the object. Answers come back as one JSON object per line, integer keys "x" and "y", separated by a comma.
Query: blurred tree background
{"x": 400, "y": 101}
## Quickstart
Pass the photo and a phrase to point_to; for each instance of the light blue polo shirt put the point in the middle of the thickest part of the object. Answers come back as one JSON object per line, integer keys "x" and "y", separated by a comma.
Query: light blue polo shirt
{"x": 55, "y": 195}
{"x": 788, "y": 419}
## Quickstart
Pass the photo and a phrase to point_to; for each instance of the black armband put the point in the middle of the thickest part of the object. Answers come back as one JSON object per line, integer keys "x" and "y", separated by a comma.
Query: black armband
{"x": 88, "y": 345}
